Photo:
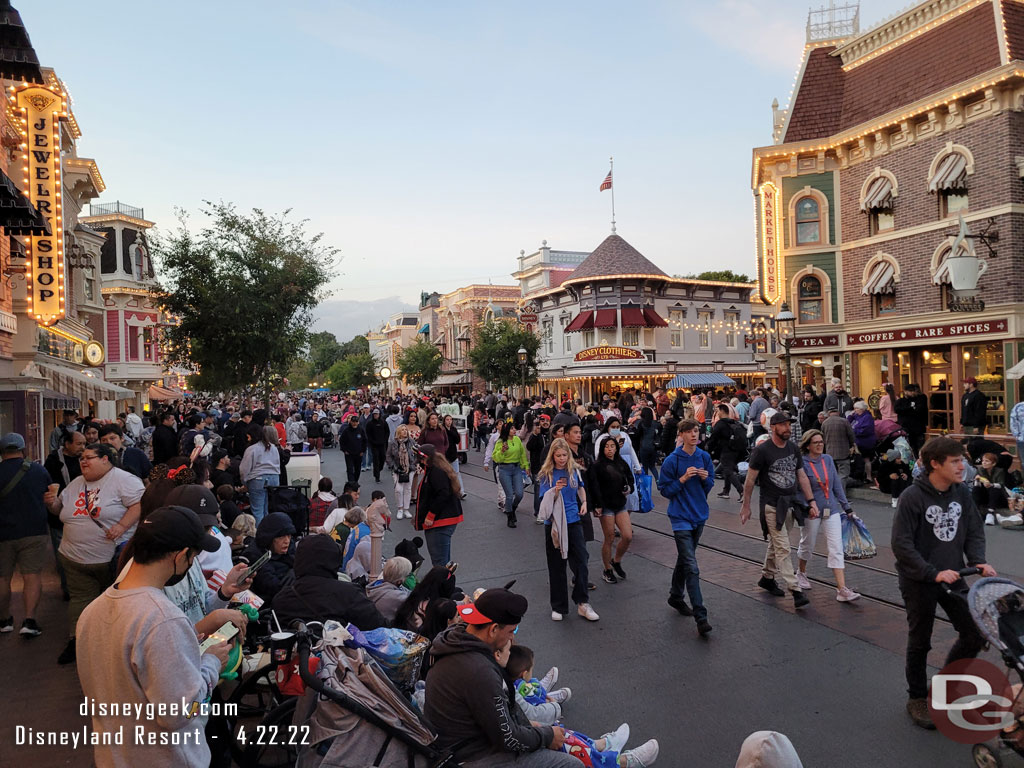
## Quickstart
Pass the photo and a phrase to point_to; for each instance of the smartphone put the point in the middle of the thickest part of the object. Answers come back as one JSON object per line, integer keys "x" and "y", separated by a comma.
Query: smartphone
{"x": 222, "y": 635}
{"x": 253, "y": 568}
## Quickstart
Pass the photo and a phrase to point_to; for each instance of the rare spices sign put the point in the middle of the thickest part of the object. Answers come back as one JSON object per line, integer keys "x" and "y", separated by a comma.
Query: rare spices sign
{"x": 928, "y": 332}
{"x": 41, "y": 109}
{"x": 605, "y": 352}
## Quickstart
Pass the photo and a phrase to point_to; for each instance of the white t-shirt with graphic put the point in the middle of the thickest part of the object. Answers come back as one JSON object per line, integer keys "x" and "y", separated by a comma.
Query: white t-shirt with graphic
{"x": 104, "y": 501}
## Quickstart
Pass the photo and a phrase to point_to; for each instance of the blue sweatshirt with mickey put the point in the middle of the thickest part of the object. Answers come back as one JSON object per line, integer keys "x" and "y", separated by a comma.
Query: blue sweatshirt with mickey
{"x": 687, "y": 502}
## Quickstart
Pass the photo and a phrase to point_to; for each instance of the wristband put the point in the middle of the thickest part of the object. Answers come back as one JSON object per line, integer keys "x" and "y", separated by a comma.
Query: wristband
{"x": 222, "y": 596}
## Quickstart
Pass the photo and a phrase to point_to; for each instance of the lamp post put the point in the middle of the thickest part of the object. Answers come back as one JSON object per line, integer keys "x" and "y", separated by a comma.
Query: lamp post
{"x": 785, "y": 329}
{"x": 385, "y": 374}
{"x": 522, "y": 354}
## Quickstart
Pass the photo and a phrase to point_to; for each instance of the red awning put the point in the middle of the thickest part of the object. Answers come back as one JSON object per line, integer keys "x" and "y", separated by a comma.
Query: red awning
{"x": 605, "y": 318}
{"x": 584, "y": 321}
{"x": 633, "y": 317}
{"x": 654, "y": 320}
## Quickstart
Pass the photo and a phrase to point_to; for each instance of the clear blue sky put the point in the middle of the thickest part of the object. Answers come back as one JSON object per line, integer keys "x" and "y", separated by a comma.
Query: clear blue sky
{"x": 431, "y": 142}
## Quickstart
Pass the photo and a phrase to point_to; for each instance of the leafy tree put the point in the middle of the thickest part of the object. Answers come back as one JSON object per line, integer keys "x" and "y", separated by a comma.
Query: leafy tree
{"x": 495, "y": 352}
{"x": 420, "y": 363}
{"x": 300, "y": 373}
{"x": 243, "y": 290}
{"x": 358, "y": 370}
{"x": 357, "y": 345}
{"x": 324, "y": 351}
{"x": 721, "y": 275}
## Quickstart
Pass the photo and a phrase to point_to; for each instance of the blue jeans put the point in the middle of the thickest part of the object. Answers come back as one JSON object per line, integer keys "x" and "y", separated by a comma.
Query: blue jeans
{"x": 511, "y": 478}
{"x": 368, "y": 458}
{"x": 439, "y": 544}
{"x": 258, "y": 494}
{"x": 686, "y": 575}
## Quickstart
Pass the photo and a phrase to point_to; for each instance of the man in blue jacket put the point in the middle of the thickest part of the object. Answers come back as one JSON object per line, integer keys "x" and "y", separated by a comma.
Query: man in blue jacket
{"x": 687, "y": 477}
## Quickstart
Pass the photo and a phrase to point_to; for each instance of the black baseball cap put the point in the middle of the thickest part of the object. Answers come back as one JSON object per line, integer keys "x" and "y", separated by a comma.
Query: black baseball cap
{"x": 495, "y": 606}
{"x": 780, "y": 417}
{"x": 175, "y": 528}
{"x": 199, "y": 499}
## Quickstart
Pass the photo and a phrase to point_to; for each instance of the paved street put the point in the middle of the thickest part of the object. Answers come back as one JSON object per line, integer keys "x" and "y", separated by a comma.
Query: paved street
{"x": 829, "y": 677}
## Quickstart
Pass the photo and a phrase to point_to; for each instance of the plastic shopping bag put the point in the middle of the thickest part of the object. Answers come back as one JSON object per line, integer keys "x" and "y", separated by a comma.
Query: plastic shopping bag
{"x": 398, "y": 651}
{"x": 857, "y": 541}
{"x": 643, "y": 484}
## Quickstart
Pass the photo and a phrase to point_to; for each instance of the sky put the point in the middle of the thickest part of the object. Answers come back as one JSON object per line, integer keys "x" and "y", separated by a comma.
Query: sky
{"x": 431, "y": 142}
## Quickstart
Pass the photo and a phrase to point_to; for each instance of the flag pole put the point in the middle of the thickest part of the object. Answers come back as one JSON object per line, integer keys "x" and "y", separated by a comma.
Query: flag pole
{"x": 611, "y": 169}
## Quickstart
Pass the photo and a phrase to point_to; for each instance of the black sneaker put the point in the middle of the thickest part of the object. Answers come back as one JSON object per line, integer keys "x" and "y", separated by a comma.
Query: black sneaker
{"x": 770, "y": 586}
{"x": 618, "y": 570}
{"x": 68, "y": 656}
{"x": 609, "y": 576}
{"x": 511, "y": 522}
{"x": 799, "y": 599}
{"x": 7, "y": 625}
{"x": 703, "y": 628}
{"x": 721, "y": 495}
{"x": 29, "y": 628}
{"x": 680, "y": 605}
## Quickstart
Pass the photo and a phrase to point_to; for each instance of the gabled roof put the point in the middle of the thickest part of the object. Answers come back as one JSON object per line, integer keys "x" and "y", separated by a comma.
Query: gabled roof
{"x": 818, "y": 104}
{"x": 614, "y": 257}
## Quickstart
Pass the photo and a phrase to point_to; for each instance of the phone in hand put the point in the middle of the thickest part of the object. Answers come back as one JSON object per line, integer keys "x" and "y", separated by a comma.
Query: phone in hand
{"x": 253, "y": 568}
{"x": 223, "y": 635}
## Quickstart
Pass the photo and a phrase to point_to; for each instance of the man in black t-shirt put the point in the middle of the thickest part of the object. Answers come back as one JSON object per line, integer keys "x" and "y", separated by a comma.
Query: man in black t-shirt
{"x": 776, "y": 465}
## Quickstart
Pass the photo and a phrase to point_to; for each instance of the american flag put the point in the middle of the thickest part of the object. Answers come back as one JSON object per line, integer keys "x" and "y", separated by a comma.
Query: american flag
{"x": 607, "y": 183}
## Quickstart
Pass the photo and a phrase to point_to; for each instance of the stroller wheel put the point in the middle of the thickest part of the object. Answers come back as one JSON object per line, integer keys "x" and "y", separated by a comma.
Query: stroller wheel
{"x": 985, "y": 757}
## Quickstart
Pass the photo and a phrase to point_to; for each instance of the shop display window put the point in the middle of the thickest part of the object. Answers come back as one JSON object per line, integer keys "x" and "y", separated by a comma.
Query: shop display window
{"x": 984, "y": 362}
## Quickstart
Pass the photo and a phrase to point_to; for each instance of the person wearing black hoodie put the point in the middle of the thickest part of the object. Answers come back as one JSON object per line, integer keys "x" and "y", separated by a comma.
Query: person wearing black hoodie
{"x": 378, "y": 434}
{"x": 936, "y": 532}
{"x": 728, "y": 443}
{"x": 316, "y": 594}
{"x": 646, "y": 436}
{"x": 274, "y": 534}
{"x": 468, "y": 702}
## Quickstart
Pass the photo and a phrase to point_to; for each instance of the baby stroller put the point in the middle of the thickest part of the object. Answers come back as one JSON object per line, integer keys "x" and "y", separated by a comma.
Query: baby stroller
{"x": 997, "y": 608}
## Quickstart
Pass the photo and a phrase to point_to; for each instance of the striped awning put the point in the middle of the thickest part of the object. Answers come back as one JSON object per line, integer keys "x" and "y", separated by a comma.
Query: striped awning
{"x": 951, "y": 173}
{"x": 82, "y": 386}
{"x": 880, "y": 279}
{"x": 693, "y": 380}
{"x": 55, "y": 401}
{"x": 941, "y": 274}
{"x": 584, "y": 321}
{"x": 878, "y": 196}
{"x": 605, "y": 318}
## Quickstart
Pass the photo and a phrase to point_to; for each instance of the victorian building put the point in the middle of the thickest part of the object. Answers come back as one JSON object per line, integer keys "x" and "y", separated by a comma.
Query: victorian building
{"x": 387, "y": 343}
{"x": 894, "y": 137}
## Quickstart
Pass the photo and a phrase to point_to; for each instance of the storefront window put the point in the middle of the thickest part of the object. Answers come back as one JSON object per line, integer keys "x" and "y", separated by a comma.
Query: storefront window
{"x": 811, "y": 300}
{"x": 937, "y": 384}
{"x": 885, "y": 304}
{"x": 984, "y": 362}
{"x": 872, "y": 373}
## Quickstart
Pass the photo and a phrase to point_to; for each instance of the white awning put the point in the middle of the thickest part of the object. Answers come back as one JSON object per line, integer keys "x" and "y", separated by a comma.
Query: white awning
{"x": 879, "y": 195}
{"x": 951, "y": 173}
{"x": 941, "y": 274}
{"x": 71, "y": 382}
{"x": 1016, "y": 372}
{"x": 453, "y": 380}
{"x": 880, "y": 279}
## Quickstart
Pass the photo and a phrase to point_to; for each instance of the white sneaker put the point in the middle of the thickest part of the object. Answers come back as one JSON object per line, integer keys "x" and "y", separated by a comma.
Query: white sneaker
{"x": 801, "y": 581}
{"x": 556, "y": 616}
{"x": 990, "y": 519}
{"x": 616, "y": 740}
{"x": 538, "y": 521}
{"x": 587, "y": 612}
{"x": 846, "y": 595}
{"x": 549, "y": 680}
{"x": 560, "y": 696}
{"x": 1017, "y": 519}
{"x": 642, "y": 756}
{"x": 894, "y": 503}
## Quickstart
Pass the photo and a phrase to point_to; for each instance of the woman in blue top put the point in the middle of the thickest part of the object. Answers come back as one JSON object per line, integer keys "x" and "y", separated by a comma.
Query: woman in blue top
{"x": 560, "y": 481}
{"x": 827, "y": 486}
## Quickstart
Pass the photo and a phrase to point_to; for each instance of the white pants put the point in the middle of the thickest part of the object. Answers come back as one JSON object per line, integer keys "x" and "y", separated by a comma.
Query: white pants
{"x": 833, "y": 536}
{"x": 403, "y": 493}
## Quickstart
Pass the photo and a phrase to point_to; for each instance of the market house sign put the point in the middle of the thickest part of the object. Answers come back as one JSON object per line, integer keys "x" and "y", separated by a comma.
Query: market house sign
{"x": 608, "y": 353}
{"x": 814, "y": 342}
{"x": 768, "y": 263}
{"x": 40, "y": 109}
{"x": 928, "y": 332}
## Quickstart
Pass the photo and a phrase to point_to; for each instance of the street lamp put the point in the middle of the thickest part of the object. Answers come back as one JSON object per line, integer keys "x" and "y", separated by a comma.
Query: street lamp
{"x": 522, "y": 354}
{"x": 385, "y": 374}
{"x": 785, "y": 329}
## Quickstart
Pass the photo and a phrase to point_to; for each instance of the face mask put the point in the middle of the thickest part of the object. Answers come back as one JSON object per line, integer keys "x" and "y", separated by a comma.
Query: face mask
{"x": 177, "y": 577}
{"x": 614, "y": 432}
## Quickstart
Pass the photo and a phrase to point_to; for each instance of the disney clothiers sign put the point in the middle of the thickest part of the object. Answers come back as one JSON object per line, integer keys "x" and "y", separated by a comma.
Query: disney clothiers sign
{"x": 605, "y": 352}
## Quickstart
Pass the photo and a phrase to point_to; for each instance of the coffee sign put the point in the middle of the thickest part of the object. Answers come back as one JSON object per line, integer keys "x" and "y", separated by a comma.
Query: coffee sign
{"x": 41, "y": 109}
{"x": 928, "y": 332}
{"x": 608, "y": 353}
{"x": 768, "y": 264}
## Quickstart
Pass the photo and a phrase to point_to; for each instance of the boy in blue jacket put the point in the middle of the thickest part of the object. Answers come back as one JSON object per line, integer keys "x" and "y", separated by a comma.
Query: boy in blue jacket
{"x": 687, "y": 477}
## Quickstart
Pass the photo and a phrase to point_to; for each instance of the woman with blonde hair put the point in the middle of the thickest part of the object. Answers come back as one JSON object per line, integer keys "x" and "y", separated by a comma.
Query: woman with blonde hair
{"x": 564, "y": 503}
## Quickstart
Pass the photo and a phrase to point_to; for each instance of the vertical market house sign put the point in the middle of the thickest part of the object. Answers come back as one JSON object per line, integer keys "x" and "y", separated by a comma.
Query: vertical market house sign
{"x": 605, "y": 352}
{"x": 40, "y": 109}
{"x": 768, "y": 263}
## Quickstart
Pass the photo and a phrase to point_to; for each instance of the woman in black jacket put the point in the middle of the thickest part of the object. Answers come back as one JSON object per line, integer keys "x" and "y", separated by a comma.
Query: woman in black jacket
{"x": 451, "y": 453}
{"x": 609, "y": 482}
{"x": 438, "y": 508}
{"x": 536, "y": 442}
{"x": 378, "y": 434}
{"x": 646, "y": 436}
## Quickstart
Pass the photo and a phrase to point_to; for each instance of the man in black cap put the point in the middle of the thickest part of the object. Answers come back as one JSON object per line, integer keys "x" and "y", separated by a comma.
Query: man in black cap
{"x": 137, "y": 649}
{"x": 777, "y": 466}
{"x": 467, "y": 700}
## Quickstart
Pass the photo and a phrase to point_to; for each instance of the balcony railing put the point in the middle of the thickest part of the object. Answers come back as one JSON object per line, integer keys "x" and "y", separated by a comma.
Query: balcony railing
{"x": 110, "y": 209}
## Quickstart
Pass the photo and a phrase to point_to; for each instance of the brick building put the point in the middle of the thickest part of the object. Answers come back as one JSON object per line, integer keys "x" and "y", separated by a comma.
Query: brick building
{"x": 891, "y": 136}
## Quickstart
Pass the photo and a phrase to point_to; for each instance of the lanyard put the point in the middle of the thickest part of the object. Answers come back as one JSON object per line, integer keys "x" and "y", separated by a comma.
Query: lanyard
{"x": 824, "y": 484}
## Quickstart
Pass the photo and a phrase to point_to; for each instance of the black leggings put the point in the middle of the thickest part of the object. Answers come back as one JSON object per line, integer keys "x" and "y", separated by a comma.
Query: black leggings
{"x": 556, "y": 568}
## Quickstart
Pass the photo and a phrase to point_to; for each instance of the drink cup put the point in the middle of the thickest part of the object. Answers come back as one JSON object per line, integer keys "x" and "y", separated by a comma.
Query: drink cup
{"x": 281, "y": 646}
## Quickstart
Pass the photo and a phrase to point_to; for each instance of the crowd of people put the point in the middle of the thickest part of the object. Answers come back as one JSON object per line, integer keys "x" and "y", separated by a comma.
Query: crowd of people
{"x": 163, "y": 527}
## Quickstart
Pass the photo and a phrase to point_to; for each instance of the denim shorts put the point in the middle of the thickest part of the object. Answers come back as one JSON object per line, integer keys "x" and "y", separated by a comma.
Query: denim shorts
{"x": 606, "y": 512}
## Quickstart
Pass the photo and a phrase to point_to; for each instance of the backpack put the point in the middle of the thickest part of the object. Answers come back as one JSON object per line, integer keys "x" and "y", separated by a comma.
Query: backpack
{"x": 738, "y": 440}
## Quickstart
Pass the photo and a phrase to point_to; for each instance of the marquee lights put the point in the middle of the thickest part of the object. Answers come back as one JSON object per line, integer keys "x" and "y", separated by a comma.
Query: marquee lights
{"x": 768, "y": 262}
{"x": 40, "y": 110}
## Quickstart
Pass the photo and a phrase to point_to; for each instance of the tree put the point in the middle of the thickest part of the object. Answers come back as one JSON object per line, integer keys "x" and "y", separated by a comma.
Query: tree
{"x": 358, "y": 370}
{"x": 242, "y": 291}
{"x": 721, "y": 275}
{"x": 355, "y": 346}
{"x": 420, "y": 363}
{"x": 495, "y": 352}
{"x": 324, "y": 351}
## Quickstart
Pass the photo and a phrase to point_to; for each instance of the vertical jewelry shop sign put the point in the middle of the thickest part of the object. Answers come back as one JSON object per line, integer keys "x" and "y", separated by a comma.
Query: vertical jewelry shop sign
{"x": 40, "y": 109}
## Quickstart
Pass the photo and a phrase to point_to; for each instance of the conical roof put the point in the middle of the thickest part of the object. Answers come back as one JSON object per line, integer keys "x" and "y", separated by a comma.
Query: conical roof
{"x": 18, "y": 60}
{"x": 615, "y": 257}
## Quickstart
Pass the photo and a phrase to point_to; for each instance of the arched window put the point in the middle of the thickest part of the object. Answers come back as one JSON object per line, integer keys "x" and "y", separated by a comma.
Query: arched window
{"x": 947, "y": 177}
{"x": 808, "y": 217}
{"x": 811, "y": 292}
{"x": 876, "y": 199}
